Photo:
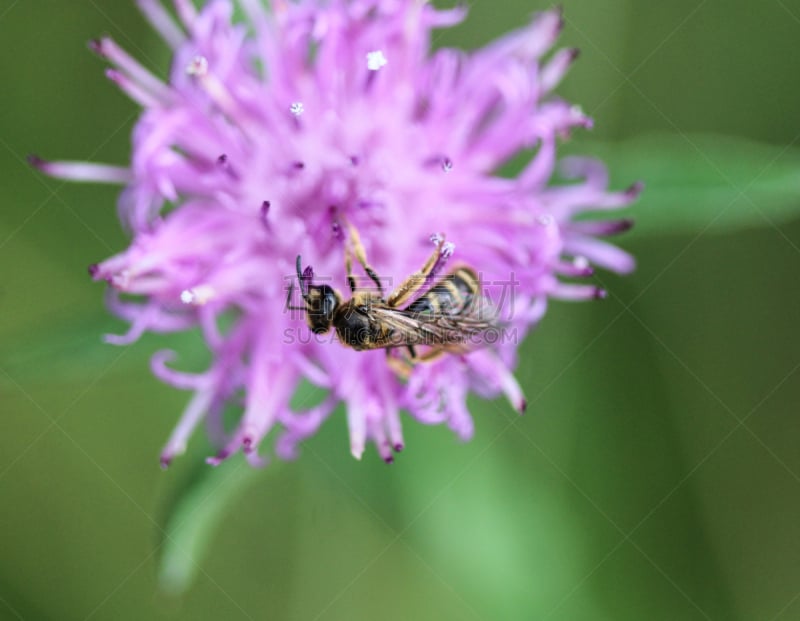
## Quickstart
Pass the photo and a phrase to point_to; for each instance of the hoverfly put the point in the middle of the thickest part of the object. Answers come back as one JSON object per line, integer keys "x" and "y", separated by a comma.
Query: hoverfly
{"x": 449, "y": 316}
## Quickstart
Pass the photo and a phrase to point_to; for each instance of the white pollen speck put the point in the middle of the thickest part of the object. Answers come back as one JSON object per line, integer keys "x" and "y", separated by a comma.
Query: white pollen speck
{"x": 436, "y": 238}
{"x": 297, "y": 108}
{"x": 376, "y": 60}
{"x": 580, "y": 262}
{"x": 197, "y": 296}
{"x": 198, "y": 66}
{"x": 447, "y": 165}
{"x": 448, "y": 249}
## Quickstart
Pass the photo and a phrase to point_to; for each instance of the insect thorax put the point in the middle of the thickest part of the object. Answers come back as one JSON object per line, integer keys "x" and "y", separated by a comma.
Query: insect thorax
{"x": 353, "y": 324}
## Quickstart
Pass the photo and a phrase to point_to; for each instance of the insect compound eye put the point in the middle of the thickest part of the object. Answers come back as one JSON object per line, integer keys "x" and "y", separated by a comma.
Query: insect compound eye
{"x": 329, "y": 302}
{"x": 322, "y": 302}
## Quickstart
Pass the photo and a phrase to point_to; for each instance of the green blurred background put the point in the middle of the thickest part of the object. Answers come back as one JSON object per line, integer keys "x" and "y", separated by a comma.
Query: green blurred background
{"x": 655, "y": 475}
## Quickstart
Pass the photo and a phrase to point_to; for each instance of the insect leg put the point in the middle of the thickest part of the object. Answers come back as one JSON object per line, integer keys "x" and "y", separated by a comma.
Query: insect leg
{"x": 411, "y": 285}
{"x": 289, "y": 299}
{"x": 361, "y": 257}
{"x": 433, "y": 354}
{"x": 288, "y": 305}
{"x": 401, "y": 366}
{"x": 348, "y": 267}
{"x": 289, "y": 295}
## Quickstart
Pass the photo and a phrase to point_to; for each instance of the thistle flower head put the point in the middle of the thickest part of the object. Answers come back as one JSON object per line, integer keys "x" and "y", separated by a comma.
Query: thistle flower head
{"x": 277, "y": 137}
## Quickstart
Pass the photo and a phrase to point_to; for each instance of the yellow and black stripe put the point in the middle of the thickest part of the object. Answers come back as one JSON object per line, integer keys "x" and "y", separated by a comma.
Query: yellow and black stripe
{"x": 450, "y": 295}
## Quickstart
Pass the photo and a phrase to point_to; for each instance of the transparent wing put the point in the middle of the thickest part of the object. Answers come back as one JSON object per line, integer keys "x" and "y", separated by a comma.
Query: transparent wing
{"x": 471, "y": 328}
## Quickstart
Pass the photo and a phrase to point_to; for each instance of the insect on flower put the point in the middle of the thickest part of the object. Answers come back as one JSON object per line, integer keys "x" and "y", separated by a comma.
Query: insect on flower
{"x": 279, "y": 125}
{"x": 448, "y": 317}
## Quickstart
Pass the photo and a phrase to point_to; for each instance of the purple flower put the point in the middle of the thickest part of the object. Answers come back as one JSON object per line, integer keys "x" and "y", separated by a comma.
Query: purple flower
{"x": 272, "y": 137}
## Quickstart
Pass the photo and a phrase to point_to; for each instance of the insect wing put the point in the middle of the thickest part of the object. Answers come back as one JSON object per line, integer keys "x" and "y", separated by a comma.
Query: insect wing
{"x": 456, "y": 333}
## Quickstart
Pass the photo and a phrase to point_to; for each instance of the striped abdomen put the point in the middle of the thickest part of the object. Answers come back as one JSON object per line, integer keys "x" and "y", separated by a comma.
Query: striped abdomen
{"x": 450, "y": 295}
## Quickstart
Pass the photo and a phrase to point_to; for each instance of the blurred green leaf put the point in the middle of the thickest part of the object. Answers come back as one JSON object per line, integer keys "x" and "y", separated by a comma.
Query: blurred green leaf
{"x": 195, "y": 509}
{"x": 695, "y": 182}
{"x": 196, "y": 512}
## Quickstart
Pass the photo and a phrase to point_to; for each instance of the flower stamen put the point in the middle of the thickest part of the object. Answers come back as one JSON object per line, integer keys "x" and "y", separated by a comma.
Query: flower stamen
{"x": 198, "y": 67}
{"x": 198, "y": 296}
{"x": 132, "y": 89}
{"x": 376, "y": 60}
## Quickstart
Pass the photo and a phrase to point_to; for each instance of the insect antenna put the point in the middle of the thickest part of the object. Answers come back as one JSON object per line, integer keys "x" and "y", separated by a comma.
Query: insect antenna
{"x": 302, "y": 277}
